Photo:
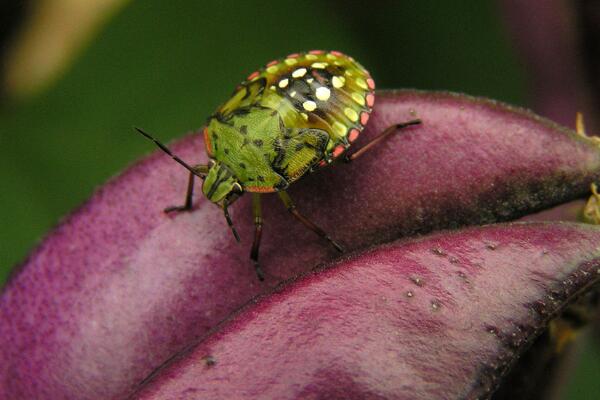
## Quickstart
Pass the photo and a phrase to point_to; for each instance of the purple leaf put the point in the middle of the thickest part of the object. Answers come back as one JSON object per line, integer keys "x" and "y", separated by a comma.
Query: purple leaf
{"x": 442, "y": 317}
{"x": 119, "y": 286}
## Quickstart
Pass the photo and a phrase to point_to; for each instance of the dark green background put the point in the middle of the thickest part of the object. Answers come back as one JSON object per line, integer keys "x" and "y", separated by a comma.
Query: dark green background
{"x": 167, "y": 65}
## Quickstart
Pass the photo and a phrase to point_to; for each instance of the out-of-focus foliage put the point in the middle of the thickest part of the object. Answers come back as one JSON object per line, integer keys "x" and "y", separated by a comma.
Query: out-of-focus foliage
{"x": 49, "y": 39}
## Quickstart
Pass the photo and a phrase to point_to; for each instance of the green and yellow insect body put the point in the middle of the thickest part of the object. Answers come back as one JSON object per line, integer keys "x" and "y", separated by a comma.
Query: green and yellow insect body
{"x": 292, "y": 116}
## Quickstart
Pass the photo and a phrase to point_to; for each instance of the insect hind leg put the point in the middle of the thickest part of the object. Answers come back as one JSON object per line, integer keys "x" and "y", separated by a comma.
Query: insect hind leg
{"x": 383, "y": 135}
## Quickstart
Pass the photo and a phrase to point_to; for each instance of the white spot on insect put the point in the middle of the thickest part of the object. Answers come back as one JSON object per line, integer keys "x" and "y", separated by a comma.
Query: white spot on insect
{"x": 338, "y": 81}
{"x": 284, "y": 82}
{"x": 309, "y": 105}
{"x": 290, "y": 61}
{"x": 299, "y": 73}
{"x": 293, "y": 93}
{"x": 351, "y": 114}
{"x": 272, "y": 87}
{"x": 323, "y": 93}
{"x": 310, "y": 80}
{"x": 319, "y": 65}
{"x": 311, "y": 57}
{"x": 305, "y": 116}
{"x": 272, "y": 69}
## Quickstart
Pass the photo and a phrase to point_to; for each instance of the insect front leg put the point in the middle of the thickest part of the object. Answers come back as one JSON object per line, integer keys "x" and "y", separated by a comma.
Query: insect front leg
{"x": 291, "y": 207}
{"x": 199, "y": 170}
{"x": 383, "y": 135}
{"x": 257, "y": 213}
{"x": 187, "y": 205}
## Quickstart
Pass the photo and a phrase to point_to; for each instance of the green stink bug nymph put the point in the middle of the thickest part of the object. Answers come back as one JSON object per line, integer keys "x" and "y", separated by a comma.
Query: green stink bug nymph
{"x": 285, "y": 120}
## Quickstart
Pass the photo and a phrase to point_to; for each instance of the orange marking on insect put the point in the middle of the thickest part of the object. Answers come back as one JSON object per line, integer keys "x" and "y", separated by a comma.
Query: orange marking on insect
{"x": 322, "y": 163}
{"x": 293, "y": 55}
{"x": 370, "y": 99}
{"x": 353, "y": 135}
{"x": 252, "y": 75}
{"x": 338, "y": 150}
{"x": 207, "y": 142}
{"x": 364, "y": 118}
{"x": 260, "y": 189}
{"x": 271, "y": 63}
{"x": 316, "y": 52}
{"x": 337, "y": 53}
{"x": 371, "y": 83}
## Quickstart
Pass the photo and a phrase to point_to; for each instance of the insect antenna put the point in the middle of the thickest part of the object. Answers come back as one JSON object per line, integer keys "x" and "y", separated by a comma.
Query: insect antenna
{"x": 228, "y": 218}
{"x": 173, "y": 156}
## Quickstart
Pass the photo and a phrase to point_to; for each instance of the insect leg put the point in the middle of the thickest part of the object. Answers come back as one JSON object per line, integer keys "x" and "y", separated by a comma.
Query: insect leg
{"x": 289, "y": 204}
{"x": 228, "y": 219}
{"x": 387, "y": 132}
{"x": 197, "y": 170}
{"x": 257, "y": 213}
{"x": 187, "y": 205}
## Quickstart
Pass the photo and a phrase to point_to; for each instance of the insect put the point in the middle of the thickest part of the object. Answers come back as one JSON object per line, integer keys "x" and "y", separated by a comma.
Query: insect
{"x": 292, "y": 117}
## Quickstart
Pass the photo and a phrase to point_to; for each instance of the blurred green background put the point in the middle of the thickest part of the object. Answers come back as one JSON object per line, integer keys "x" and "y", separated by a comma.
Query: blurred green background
{"x": 167, "y": 65}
